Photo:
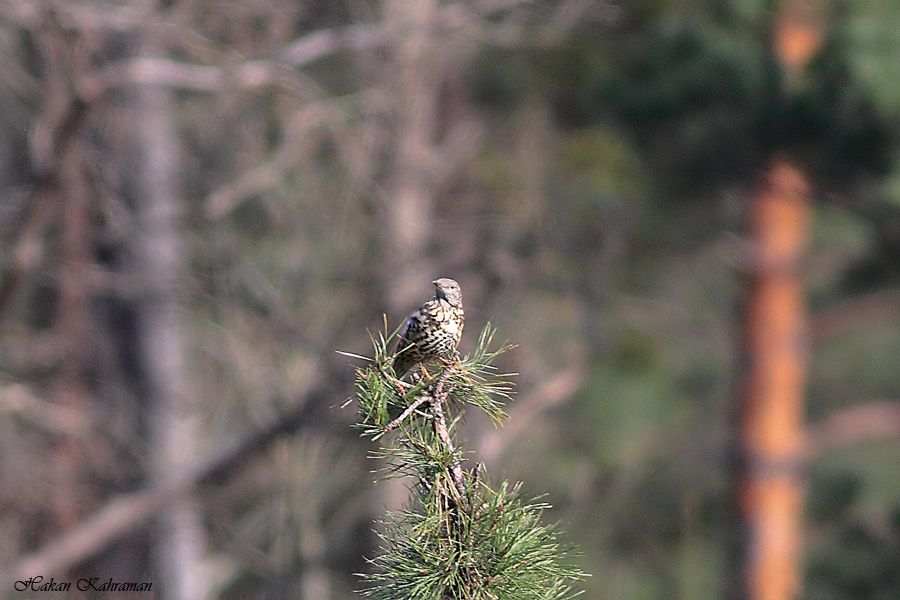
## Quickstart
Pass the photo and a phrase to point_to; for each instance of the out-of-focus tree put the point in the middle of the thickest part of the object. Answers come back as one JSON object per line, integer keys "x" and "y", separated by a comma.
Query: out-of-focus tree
{"x": 693, "y": 101}
{"x": 205, "y": 193}
{"x": 161, "y": 266}
{"x": 769, "y": 490}
{"x": 770, "y": 410}
{"x": 585, "y": 169}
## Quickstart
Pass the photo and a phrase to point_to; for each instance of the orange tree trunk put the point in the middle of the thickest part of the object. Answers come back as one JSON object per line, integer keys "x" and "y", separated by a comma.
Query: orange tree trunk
{"x": 769, "y": 484}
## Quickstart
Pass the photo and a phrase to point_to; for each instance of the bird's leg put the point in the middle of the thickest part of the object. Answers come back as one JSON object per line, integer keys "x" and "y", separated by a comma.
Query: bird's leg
{"x": 399, "y": 383}
{"x": 402, "y": 386}
{"x": 451, "y": 359}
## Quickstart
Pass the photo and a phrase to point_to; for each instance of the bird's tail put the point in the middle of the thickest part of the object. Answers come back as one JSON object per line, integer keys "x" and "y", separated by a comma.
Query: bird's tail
{"x": 403, "y": 362}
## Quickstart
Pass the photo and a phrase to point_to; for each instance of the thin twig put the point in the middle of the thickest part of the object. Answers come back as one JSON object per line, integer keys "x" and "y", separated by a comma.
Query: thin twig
{"x": 409, "y": 410}
{"x": 874, "y": 420}
{"x": 123, "y": 514}
{"x": 37, "y": 205}
{"x": 551, "y": 393}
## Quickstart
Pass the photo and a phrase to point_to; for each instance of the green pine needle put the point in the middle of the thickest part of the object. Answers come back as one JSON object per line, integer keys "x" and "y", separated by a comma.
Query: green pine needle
{"x": 499, "y": 550}
{"x": 460, "y": 539}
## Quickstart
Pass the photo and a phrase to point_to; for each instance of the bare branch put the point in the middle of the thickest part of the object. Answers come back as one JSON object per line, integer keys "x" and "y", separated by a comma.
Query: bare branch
{"x": 128, "y": 512}
{"x": 319, "y": 44}
{"x": 528, "y": 409}
{"x": 854, "y": 313}
{"x": 405, "y": 414}
{"x": 170, "y": 73}
{"x": 279, "y": 71}
{"x": 461, "y": 143}
{"x": 269, "y": 173}
{"x": 19, "y": 400}
{"x": 26, "y": 247}
{"x": 849, "y": 426}
{"x": 438, "y": 397}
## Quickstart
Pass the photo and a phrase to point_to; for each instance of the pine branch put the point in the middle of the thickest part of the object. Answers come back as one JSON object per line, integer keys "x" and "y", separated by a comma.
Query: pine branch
{"x": 406, "y": 413}
{"x": 438, "y": 398}
{"x": 459, "y": 539}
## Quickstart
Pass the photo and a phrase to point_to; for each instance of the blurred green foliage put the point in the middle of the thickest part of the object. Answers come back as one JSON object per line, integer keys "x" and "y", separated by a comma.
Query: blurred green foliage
{"x": 659, "y": 123}
{"x": 602, "y": 213}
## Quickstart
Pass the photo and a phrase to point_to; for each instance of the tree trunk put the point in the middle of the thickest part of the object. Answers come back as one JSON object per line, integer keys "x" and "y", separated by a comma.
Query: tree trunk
{"x": 769, "y": 484}
{"x": 72, "y": 326}
{"x": 407, "y": 270}
{"x": 173, "y": 416}
{"x": 409, "y": 204}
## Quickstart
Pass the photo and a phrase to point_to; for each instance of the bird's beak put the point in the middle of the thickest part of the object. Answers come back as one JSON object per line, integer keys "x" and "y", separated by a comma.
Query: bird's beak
{"x": 434, "y": 282}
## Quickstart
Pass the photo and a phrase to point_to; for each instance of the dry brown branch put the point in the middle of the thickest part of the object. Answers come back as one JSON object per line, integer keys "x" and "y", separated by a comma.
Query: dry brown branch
{"x": 861, "y": 423}
{"x": 280, "y": 71}
{"x": 270, "y": 172}
{"x": 858, "y": 312}
{"x": 405, "y": 414}
{"x": 454, "y": 153}
{"x": 515, "y": 29}
{"x": 128, "y": 512}
{"x": 164, "y": 72}
{"x": 319, "y": 44}
{"x": 438, "y": 398}
{"x": 27, "y": 248}
{"x": 17, "y": 399}
{"x": 25, "y": 243}
{"x": 553, "y": 392}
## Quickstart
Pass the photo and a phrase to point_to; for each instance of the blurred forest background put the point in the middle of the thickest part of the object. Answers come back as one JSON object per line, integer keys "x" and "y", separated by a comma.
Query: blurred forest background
{"x": 202, "y": 200}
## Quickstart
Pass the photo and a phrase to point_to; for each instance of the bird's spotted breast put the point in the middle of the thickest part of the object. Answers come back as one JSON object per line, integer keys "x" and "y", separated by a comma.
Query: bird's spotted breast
{"x": 431, "y": 331}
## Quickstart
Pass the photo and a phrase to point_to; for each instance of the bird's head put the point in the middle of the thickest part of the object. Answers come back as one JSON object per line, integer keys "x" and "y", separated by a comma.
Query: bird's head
{"x": 447, "y": 289}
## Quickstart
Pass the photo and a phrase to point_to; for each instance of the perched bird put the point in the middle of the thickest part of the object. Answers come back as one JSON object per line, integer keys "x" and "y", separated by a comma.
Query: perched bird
{"x": 433, "y": 330}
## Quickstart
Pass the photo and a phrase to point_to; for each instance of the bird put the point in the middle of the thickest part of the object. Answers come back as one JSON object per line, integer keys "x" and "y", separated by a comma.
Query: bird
{"x": 433, "y": 330}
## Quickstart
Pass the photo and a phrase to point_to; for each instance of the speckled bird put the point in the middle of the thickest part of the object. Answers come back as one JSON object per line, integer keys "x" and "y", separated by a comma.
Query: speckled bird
{"x": 433, "y": 330}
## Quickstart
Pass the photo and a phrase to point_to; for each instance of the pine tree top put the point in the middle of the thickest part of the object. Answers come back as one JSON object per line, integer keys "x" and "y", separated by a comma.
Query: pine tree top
{"x": 459, "y": 538}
